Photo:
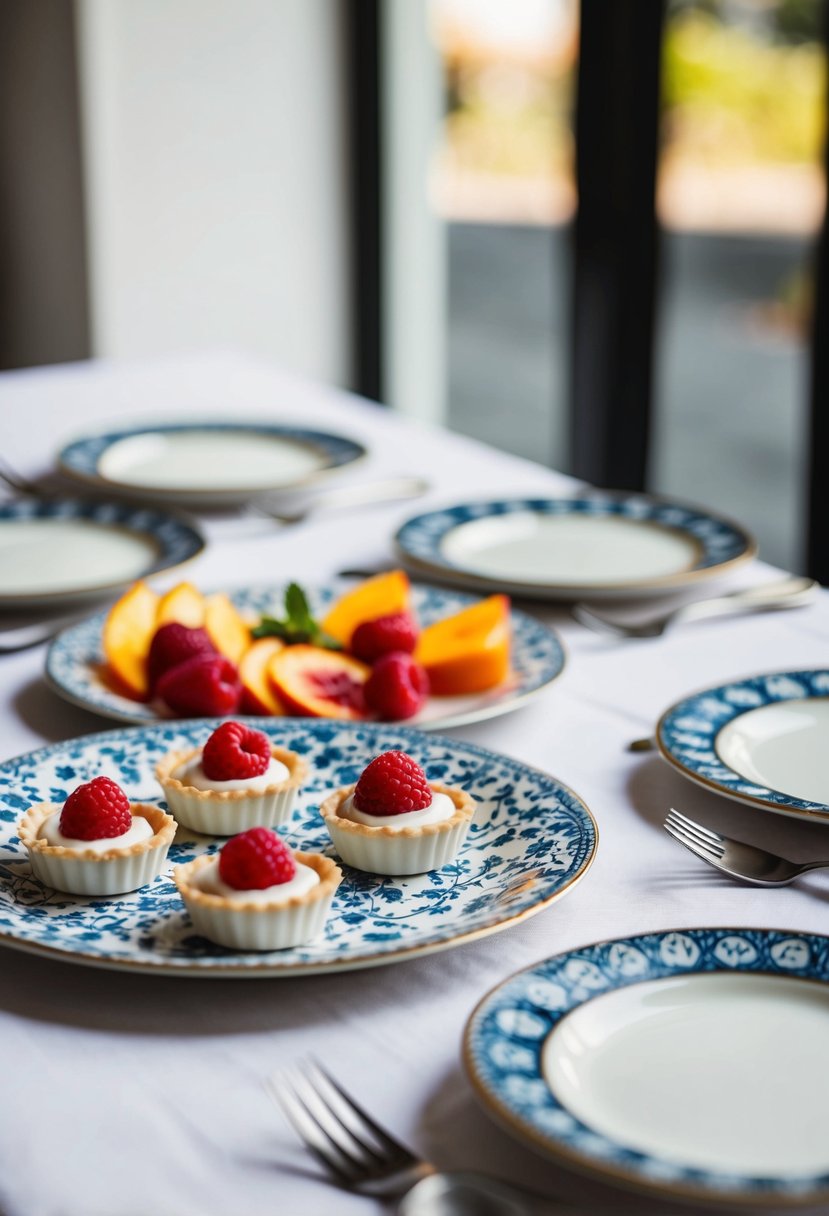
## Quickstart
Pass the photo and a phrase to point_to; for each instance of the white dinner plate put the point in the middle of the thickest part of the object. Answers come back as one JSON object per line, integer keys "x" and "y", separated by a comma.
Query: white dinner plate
{"x": 55, "y": 551}
{"x": 692, "y": 1062}
{"x": 531, "y": 840}
{"x": 75, "y": 659}
{"x": 208, "y": 463}
{"x": 762, "y": 740}
{"x": 602, "y": 545}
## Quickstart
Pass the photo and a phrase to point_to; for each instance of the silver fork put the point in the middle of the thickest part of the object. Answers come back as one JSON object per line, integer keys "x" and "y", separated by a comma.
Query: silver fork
{"x": 361, "y": 1156}
{"x": 792, "y": 592}
{"x": 735, "y": 857}
{"x": 391, "y": 489}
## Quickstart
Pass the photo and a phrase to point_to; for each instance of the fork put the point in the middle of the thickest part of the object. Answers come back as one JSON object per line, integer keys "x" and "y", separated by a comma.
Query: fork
{"x": 391, "y": 489}
{"x": 735, "y": 857}
{"x": 361, "y": 1156}
{"x": 792, "y": 592}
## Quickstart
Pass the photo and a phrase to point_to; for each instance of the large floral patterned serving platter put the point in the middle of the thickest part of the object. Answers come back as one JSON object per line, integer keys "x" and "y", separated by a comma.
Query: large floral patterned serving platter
{"x": 689, "y": 1062}
{"x": 531, "y": 840}
{"x": 763, "y": 741}
{"x": 75, "y": 660}
{"x": 603, "y": 545}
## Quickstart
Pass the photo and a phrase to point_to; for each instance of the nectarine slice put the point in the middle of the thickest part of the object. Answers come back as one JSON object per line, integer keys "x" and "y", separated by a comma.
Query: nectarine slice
{"x": 258, "y": 695}
{"x": 128, "y": 631}
{"x": 316, "y": 683}
{"x": 183, "y": 603}
{"x": 469, "y": 651}
{"x": 225, "y": 627}
{"x": 381, "y": 595}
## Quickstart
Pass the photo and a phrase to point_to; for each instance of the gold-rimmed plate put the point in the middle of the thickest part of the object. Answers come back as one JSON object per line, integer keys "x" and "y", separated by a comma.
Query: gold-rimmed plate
{"x": 689, "y": 1063}
{"x": 531, "y": 840}
{"x": 62, "y": 550}
{"x": 762, "y": 740}
{"x": 603, "y": 545}
{"x": 210, "y": 463}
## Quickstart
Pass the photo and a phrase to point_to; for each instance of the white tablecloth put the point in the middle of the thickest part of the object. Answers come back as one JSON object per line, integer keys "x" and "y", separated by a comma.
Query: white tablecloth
{"x": 127, "y": 1095}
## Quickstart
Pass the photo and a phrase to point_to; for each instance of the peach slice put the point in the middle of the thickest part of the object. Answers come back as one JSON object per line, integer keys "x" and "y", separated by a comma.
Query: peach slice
{"x": 258, "y": 695}
{"x": 317, "y": 683}
{"x": 183, "y": 603}
{"x": 225, "y": 627}
{"x": 469, "y": 651}
{"x": 382, "y": 595}
{"x": 127, "y": 633}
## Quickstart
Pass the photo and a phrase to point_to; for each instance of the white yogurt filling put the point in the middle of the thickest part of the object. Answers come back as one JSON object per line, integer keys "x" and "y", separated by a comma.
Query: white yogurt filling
{"x": 191, "y": 773}
{"x": 441, "y": 807}
{"x": 51, "y": 833}
{"x": 208, "y": 880}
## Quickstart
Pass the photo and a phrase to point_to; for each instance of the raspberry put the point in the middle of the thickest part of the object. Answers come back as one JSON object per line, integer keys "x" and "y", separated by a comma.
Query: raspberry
{"x": 95, "y": 811}
{"x": 391, "y": 785}
{"x": 234, "y": 750}
{"x": 173, "y": 644}
{"x": 372, "y": 639}
{"x": 207, "y": 685}
{"x": 397, "y": 687}
{"x": 256, "y": 859}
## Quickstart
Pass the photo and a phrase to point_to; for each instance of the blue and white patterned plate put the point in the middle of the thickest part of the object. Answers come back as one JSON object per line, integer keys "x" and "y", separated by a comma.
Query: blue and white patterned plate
{"x": 209, "y": 463}
{"x": 695, "y": 737}
{"x": 508, "y": 1053}
{"x": 604, "y": 545}
{"x": 531, "y": 840}
{"x": 78, "y": 549}
{"x": 74, "y": 660}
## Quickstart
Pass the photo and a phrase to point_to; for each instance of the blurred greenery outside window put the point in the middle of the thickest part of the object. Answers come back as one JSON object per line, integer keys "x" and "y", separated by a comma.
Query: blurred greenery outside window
{"x": 744, "y": 83}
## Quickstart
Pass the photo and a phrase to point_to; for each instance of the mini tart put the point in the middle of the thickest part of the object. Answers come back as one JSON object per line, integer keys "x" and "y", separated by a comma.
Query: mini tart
{"x": 244, "y": 925}
{"x": 409, "y": 850}
{"x": 227, "y": 812}
{"x": 84, "y": 872}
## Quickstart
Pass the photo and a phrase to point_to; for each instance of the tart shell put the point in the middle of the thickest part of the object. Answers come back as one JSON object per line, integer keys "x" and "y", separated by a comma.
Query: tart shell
{"x": 227, "y": 812}
{"x": 408, "y": 850}
{"x": 84, "y": 872}
{"x": 260, "y": 926}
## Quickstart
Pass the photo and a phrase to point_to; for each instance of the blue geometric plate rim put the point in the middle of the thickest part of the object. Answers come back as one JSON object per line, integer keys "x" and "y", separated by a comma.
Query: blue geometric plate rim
{"x": 176, "y": 535}
{"x": 81, "y": 456}
{"x": 687, "y": 731}
{"x": 722, "y": 542}
{"x": 506, "y": 1031}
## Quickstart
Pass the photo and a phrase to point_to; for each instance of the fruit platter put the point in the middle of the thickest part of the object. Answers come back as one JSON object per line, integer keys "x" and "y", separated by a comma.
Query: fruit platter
{"x": 383, "y": 650}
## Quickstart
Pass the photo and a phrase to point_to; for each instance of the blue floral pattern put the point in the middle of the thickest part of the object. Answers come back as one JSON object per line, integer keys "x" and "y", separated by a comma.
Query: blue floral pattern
{"x": 74, "y": 659}
{"x": 81, "y": 456}
{"x": 687, "y": 734}
{"x": 174, "y": 539}
{"x": 530, "y": 840}
{"x": 719, "y": 542}
{"x": 506, "y": 1034}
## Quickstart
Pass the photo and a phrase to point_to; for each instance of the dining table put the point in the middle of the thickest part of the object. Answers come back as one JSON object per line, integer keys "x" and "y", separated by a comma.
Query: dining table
{"x": 128, "y": 1094}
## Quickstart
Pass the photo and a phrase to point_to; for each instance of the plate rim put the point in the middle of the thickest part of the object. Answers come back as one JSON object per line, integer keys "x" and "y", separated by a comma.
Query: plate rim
{"x": 450, "y": 722}
{"x": 797, "y": 808}
{"x": 597, "y": 1167}
{"x": 295, "y": 971}
{"x": 202, "y": 493}
{"x": 661, "y": 583}
{"x": 39, "y": 509}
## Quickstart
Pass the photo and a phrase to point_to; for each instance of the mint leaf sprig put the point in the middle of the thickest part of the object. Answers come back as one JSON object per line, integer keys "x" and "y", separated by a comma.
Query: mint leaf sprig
{"x": 299, "y": 626}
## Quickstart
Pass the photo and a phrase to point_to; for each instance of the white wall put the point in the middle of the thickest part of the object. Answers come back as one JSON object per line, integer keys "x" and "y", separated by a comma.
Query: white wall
{"x": 415, "y": 253}
{"x": 216, "y": 178}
